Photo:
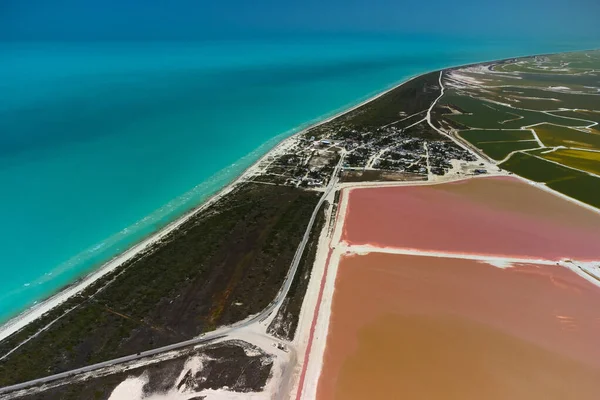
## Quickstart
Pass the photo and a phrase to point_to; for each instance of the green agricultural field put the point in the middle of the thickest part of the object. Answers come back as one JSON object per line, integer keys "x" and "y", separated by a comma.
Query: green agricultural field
{"x": 580, "y": 159}
{"x": 476, "y": 113}
{"x": 476, "y": 136}
{"x": 498, "y": 144}
{"x": 583, "y": 187}
{"x": 499, "y": 151}
{"x": 523, "y": 92}
{"x": 593, "y": 116}
{"x": 536, "y": 169}
{"x": 536, "y": 117}
{"x": 517, "y": 97}
{"x": 552, "y": 135}
{"x": 575, "y": 184}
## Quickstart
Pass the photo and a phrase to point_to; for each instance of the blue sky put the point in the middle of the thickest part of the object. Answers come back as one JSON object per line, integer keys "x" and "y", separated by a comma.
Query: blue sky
{"x": 198, "y": 19}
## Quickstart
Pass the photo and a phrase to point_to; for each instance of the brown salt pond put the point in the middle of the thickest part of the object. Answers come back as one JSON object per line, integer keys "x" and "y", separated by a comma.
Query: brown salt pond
{"x": 431, "y": 328}
{"x": 501, "y": 216}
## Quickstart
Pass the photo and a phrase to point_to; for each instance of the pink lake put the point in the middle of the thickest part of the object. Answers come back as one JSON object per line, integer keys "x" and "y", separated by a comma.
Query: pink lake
{"x": 501, "y": 216}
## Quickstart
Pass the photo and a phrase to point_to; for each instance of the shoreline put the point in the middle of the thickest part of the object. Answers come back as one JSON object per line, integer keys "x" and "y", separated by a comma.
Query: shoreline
{"x": 36, "y": 311}
{"x": 21, "y": 320}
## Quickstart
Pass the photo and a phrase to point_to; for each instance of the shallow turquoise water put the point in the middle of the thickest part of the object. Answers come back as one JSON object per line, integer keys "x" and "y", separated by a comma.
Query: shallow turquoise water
{"x": 101, "y": 144}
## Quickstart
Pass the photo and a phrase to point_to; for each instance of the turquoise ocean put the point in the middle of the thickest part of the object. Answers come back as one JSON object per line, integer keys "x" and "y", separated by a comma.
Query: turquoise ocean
{"x": 102, "y": 144}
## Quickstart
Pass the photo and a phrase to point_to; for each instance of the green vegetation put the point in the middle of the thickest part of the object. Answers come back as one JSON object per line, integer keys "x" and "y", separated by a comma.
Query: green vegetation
{"x": 476, "y": 113}
{"x": 578, "y": 185}
{"x": 535, "y": 80}
{"x": 593, "y": 116}
{"x": 487, "y": 115}
{"x": 554, "y": 64}
{"x": 285, "y": 324}
{"x": 540, "y": 92}
{"x": 536, "y": 169}
{"x": 541, "y": 99}
{"x": 229, "y": 261}
{"x": 582, "y": 187}
{"x": 499, "y": 151}
{"x": 579, "y": 159}
{"x": 412, "y": 97}
{"x": 222, "y": 265}
{"x": 227, "y": 363}
{"x": 500, "y": 143}
{"x": 552, "y": 135}
{"x": 518, "y": 98}
{"x": 487, "y": 136}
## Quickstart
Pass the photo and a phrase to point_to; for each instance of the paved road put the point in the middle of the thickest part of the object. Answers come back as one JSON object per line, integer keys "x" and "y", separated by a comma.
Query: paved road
{"x": 211, "y": 335}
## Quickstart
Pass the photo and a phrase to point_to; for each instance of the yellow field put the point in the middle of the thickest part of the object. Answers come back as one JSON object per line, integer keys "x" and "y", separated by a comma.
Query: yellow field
{"x": 552, "y": 135}
{"x": 580, "y": 159}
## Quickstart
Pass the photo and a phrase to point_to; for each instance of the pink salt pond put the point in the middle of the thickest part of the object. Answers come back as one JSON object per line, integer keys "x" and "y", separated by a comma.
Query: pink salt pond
{"x": 428, "y": 328}
{"x": 499, "y": 216}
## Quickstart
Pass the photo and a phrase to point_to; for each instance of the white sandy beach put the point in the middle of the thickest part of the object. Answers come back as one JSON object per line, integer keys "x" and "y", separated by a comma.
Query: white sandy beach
{"x": 297, "y": 372}
{"x": 15, "y": 324}
{"x": 35, "y": 312}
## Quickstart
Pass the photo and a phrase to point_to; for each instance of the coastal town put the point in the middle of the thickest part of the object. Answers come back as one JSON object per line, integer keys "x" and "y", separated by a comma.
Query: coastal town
{"x": 408, "y": 148}
{"x": 336, "y": 251}
{"x": 389, "y": 152}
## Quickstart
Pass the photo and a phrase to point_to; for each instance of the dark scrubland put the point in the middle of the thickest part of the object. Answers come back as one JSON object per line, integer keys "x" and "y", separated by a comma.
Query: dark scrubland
{"x": 223, "y": 364}
{"x": 412, "y": 97}
{"x": 229, "y": 261}
{"x": 221, "y": 266}
{"x": 224, "y": 264}
{"x": 285, "y": 323}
